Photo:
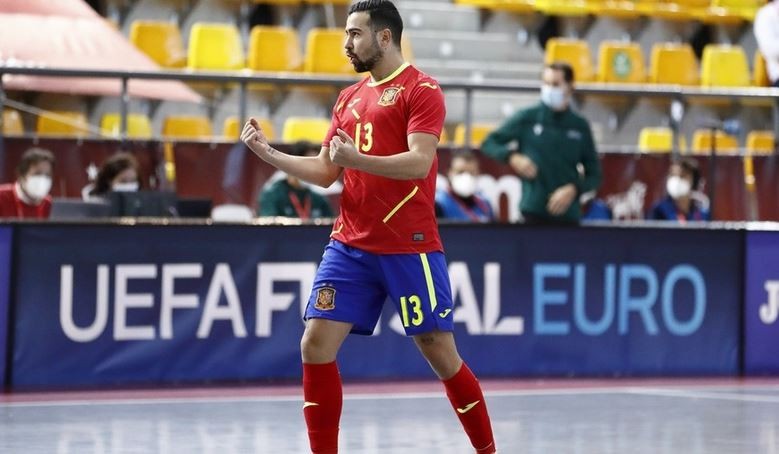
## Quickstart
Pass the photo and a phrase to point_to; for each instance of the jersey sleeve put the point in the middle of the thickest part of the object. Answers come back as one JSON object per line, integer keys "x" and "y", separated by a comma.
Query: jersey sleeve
{"x": 427, "y": 109}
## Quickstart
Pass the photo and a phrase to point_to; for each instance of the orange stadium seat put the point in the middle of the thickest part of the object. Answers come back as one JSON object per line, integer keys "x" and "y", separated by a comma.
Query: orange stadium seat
{"x": 310, "y": 129}
{"x": 231, "y": 129}
{"x": 701, "y": 142}
{"x": 12, "y": 123}
{"x": 138, "y": 125}
{"x": 760, "y": 142}
{"x": 760, "y": 72}
{"x": 575, "y": 52}
{"x": 718, "y": 56}
{"x": 325, "y": 52}
{"x": 187, "y": 127}
{"x": 673, "y": 64}
{"x": 274, "y": 49}
{"x": 62, "y": 124}
{"x": 620, "y": 62}
{"x": 656, "y": 140}
{"x": 479, "y": 132}
{"x": 161, "y": 41}
{"x": 214, "y": 46}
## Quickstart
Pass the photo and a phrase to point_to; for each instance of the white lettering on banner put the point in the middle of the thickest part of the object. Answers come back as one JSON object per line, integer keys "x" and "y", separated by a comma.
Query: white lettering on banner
{"x": 123, "y": 301}
{"x": 769, "y": 312}
{"x": 98, "y": 325}
{"x": 269, "y": 302}
{"x": 222, "y": 282}
{"x": 171, "y": 300}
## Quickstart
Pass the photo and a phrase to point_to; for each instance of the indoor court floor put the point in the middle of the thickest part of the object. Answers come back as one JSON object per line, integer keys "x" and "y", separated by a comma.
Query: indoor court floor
{"x": 720, "y": 416}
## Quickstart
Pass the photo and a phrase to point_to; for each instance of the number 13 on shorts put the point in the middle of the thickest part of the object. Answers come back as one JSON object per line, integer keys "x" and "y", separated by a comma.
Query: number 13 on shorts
{"x": 412, "y": 304}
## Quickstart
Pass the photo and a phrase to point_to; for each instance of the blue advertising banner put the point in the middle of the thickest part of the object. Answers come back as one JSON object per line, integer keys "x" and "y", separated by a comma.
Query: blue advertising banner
{"x": 5, "y": 293}
{"x": 761, "y": 330}
{"x": 152, "y": 304}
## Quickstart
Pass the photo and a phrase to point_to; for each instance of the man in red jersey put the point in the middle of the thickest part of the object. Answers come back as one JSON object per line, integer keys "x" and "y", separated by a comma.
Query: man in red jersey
{"x": 383, "y": 137}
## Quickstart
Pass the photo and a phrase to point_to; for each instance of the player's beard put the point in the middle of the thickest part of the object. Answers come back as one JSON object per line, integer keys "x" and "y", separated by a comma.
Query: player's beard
{"x": 362, "y": 65}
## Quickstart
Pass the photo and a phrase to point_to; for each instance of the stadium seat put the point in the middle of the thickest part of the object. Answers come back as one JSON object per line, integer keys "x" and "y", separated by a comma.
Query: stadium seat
{"x": 325, "y": 52}
{"x": 187, "y": 127}
{"x": 513, "y": 6}
{"x": 621, "y": 62}
{"x": 674, "y": 10}
{"x": 479, "y": 132}
{"x": 701, "y": 142}
{"x": 563, "y": 7}
{"x": 673, "y": 64}
{"x": 63, "y": 124}
{"x": 138, "y": 125}
{"x": 324, "y": 2}
{"x": 760, "y": 142}
{"x": 760, "y": 72}
{"x": 620, "y": 9}
{"x": 161, "y": 41}
{"x": 572, "y": 51}
{"x": 214, "y": 46}
{"x": 12, "y": 123}
{"x": 274, "y": 49}
{"x": 231, "y": 129}
{"x": 744, "y": 9}
{"x": 656, "y": 140}
{"x": 311, "y": 129}
{"x": 279, "y": 2}
{"x": 719, "y": 56}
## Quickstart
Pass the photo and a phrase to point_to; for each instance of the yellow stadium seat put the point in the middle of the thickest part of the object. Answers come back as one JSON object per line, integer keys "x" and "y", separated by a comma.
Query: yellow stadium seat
{"x": 479, "y": 132}
{"x": 161, "y": 41}
{"x": 701, "y": 142}
{"x": 214, "y": 46}
{"x": 138, "y": 125}
{"x": 745, "y": 9}
{"x": 760, "y": 142}
{"x": 487, "y": 4}
{"x": 443, "y": 139}
{"x": 516, "y": 6}
{"x": 621, "y": 9}
{"x": 12, "y": 123}
{"x": 656, "y": 140}
{"x": 313, "y": 130}
{"x": 274, "y": 49}
{"x": 760, "y": 78}
{"x": 717, "y": 57}
{"x": 334, "y": 2}
{"x": 675, "y": 10}
{"x": 673, "y": 64}
{"x": 231, "y": 129}
{"x": 572, "y": 51}
{"x": 563, "y": 7}
{"x": 63, "y": 124}
{"x": 621, "y": 62}
{"x": 325, "y": 52}
{"x": 187, "y": 127}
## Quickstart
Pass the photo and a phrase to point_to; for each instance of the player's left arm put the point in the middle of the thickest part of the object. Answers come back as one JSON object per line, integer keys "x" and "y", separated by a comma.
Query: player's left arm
{"x": 408, "y": 165}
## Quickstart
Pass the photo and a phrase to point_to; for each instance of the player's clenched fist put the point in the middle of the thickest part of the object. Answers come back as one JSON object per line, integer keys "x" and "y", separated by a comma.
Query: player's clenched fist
{"x": 254, "y": 138}
{"x": 342, "y": 150}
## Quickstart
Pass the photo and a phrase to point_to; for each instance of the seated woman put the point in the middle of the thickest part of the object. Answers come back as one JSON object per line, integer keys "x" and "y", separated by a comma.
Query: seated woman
{"x": 679, "y": 205}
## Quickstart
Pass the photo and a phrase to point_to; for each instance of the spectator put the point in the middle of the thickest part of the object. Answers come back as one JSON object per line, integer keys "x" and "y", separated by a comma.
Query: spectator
{"x": 461, "y": 202}
{"x": 119, "y": 174}
{"x": 593, "y": 208}
{"x": 29, "y": 196}
{"x": 292, "y": 198}
{"x": 552, "y": 141}
{"x": 679, "y": 204}
{"x": 767, "y": 34}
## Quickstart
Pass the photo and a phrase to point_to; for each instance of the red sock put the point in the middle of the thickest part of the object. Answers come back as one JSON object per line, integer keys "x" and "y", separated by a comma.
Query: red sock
{"x": 322, "y": 408}
{"x": 467, "y": 399}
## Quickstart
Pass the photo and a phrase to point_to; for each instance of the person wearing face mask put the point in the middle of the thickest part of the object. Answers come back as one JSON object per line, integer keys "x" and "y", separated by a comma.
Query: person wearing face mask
{"x": 461, "y": 202}
{"x": 290, "y": 197}
{"x": 766, "y": 29}
{"x": 118, "y": 174}
{"x": 551, "y": 143}
{"x": 29, "y": 196}
{"x": 679, "y": 205}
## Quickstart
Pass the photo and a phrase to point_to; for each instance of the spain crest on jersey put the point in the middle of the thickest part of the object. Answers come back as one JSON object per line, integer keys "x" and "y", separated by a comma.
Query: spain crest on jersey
{"x": 325, "y": 299}
{"x": 389, "y": 96}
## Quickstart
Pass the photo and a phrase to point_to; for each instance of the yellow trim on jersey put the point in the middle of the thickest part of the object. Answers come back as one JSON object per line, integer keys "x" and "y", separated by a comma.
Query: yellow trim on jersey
{"x": 402, "y": 202}
{"x": 429, "y": 281}
{"x": 391, "y": 76}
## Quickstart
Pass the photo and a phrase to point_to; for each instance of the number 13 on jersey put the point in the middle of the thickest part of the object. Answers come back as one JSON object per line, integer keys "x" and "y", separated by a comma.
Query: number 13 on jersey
{"x": 363, "y": 143}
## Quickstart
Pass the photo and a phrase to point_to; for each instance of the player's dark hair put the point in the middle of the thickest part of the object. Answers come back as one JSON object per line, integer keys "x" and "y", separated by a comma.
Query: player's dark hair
{"x": 32, "y": 157}
{"x": 690, "y": 166}
{"x": 383, "y": 14}
{"x": 113, "y": 166}
{"x": 565, "y": 68}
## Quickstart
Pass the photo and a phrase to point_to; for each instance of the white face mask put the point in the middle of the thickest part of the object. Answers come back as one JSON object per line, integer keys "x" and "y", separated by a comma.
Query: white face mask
{"x": 37, "y": 186}
{"x": 125, "y": 187}
{"x": 464, "y": 184}
{"x": 553, "y": 97}
{"x": 678, "y": 187}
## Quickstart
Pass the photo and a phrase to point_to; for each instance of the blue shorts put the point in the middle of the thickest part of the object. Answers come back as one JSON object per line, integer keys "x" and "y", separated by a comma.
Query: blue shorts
{"x": 351, "y": 286}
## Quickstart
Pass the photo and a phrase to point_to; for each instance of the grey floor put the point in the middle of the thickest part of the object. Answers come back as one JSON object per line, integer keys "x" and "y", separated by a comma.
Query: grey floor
{"x": 567, "y": 417}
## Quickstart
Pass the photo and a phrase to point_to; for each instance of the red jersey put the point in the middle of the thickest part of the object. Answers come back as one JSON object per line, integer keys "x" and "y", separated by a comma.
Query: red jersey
{"x": 378, "y": 214}
{"x": 12, "y": 206}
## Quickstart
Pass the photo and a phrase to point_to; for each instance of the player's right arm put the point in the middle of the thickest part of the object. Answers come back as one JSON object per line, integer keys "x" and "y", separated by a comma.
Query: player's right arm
{"x": 318, "y": 170}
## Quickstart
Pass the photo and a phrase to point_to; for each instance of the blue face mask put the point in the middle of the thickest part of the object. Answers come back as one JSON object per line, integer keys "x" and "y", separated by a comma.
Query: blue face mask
{"x": 553, "y": 97}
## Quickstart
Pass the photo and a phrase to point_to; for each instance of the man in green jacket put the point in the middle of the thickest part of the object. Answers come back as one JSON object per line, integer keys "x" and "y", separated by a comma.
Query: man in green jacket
{"x": 551, "y": 142}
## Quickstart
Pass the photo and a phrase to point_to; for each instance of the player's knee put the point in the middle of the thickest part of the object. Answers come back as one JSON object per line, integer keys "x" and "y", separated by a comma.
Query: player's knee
{"x": 313, "y": 349}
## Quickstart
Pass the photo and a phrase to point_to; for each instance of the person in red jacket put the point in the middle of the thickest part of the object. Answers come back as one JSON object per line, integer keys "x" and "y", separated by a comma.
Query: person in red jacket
{"x": 28, "y": 197}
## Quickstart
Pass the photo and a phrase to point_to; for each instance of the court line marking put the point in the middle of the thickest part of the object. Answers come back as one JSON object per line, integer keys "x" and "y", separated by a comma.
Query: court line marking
{"x": 693, "y": 394}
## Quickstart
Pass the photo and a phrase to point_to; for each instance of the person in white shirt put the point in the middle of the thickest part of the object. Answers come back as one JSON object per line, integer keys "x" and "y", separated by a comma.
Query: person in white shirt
{"x": 767, "y": 34}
